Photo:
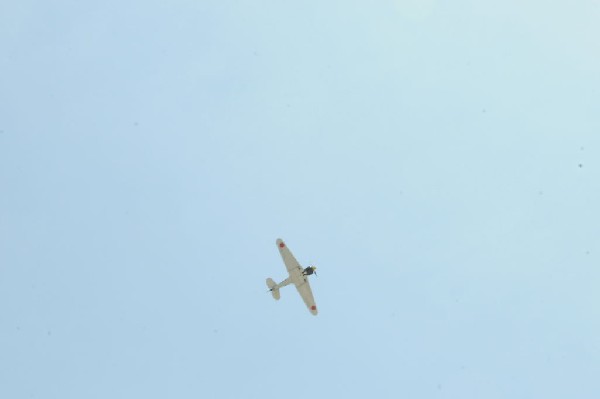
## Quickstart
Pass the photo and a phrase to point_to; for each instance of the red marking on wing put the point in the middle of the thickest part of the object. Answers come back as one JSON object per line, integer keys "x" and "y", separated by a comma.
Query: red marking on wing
{"x": 313, "y": 307}
{"x": 281, "y": 245}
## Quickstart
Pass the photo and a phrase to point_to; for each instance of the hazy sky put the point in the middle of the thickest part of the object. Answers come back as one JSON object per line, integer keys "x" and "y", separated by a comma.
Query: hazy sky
{"x": 437, "y": 161}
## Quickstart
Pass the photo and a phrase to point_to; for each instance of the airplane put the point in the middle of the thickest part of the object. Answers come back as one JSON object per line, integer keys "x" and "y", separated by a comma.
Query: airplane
{"x": 297, "y": 275}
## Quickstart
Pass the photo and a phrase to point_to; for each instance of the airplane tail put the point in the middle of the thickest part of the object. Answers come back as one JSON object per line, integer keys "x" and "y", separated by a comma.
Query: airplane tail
{"x": 273, "y": 288}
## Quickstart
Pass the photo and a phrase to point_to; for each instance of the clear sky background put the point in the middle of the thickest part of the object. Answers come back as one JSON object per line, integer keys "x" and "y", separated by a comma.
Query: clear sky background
{"x": 437, "y": 161}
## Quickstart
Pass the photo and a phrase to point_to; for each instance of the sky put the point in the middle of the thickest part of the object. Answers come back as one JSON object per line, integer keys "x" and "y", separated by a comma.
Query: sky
{"x": 437, "y": 161}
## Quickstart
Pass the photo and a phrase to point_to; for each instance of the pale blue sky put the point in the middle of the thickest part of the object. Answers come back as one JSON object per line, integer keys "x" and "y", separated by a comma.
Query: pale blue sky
{"x": 437, "y": 162}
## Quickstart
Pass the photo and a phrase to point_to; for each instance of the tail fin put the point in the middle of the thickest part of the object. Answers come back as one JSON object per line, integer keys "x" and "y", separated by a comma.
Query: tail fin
{"x": 273, "y": 287}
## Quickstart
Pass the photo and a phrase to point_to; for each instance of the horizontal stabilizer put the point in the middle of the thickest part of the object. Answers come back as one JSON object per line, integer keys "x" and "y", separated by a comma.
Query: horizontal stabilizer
{"x": 273, "y": 288}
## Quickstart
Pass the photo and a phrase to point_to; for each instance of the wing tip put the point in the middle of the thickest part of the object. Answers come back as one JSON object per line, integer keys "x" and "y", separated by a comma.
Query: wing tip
{"x": 280, "y": 243}
{"x": 313, "y": 310}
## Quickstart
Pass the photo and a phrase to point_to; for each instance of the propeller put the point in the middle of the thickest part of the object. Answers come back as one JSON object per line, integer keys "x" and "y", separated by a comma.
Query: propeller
{"x": 312, "y": 271}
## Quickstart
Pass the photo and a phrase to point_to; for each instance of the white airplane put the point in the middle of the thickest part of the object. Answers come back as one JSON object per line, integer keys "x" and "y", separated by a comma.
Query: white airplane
{"x": 298, "y": 276}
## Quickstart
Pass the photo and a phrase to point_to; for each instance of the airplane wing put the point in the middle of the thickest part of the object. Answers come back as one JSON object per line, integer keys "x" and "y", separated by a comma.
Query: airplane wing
{"x": 306, "y": 294}
{"x": 299, "y": 280}
{"x": 291, "y": 263}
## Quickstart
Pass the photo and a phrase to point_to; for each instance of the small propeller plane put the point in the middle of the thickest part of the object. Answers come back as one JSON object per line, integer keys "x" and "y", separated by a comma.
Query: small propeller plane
{"x": 297, "y": 275}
